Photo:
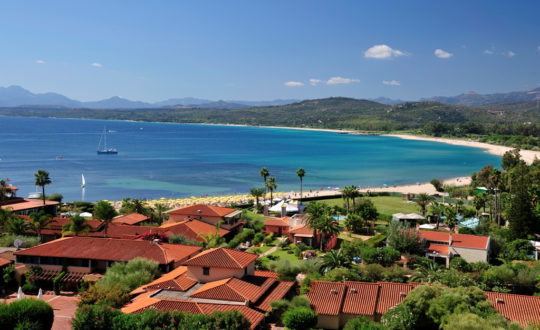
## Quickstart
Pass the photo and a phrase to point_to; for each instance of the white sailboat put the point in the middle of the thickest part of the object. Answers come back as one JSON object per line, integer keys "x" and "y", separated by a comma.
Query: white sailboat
{"x": 83, "y": 181}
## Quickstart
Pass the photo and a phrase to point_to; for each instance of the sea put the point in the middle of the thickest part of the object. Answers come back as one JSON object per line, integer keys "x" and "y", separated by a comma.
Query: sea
{"x": 157, "y": 160}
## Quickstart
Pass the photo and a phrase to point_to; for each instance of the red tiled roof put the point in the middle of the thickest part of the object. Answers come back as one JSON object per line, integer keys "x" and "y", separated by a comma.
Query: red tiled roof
{"x": 280, "y": 222}
{"x": 111, "y": 249}
{"x": 131, "y": 219}
{"x": 458, "y": 240}
{"x": 276, "y": 293}
{"x": 516, "y": 308}
{"x": 199, "y": 308}
{"x": 124, "y": 231}
{"x": 361, "y": 298}
{"x": 202, "y": 210}
{"x": 192, "y": 228}
{"x": 249, "y": 288}
{"x": 326, "y": 297}
{"x": 265, "y": 273}
{"x": 4, "y": 262}
{"x": 56, "y": 226}
{"x": 222, "y": 258}
{"x": 302, "y": 230}
{"x": 25, "y": 204}
{"x": 440, "y": 249}
{"x": 391, "y": 294}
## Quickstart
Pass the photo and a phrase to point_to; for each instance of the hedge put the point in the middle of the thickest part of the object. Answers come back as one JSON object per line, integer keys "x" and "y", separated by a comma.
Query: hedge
{"x": 27, "y": 313}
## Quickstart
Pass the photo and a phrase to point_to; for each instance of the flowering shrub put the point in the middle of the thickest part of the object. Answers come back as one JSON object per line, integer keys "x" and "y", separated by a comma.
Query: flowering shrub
{"x": 149, "y": 236}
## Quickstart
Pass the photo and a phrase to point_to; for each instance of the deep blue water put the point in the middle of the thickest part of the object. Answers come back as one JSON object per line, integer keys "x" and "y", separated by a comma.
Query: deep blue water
{"x": 178, "y": 160}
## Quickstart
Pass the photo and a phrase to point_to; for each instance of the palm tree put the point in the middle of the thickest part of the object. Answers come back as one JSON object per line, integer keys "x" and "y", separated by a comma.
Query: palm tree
{"x": 334, "y": 259}
{"x": 346, "y": 195}
{"x": 271, "y": 185}
{"x": 5, "y": 216}
{"x": 42, "y": 179}
{"x": 300, "y": 173}
{"x": 328, "y": 227}
{"x": 451, "y": 217}
{"x": 18, "y": 226}
{"x": 265, "y": 174}
{"x": 479, "y": 202}
{"x": 426, "y": 271}
{"x": 212, "y": 240}
{"x": 76, "y": 225}
{"x": 353, "y": 194}
{"x": 40, "y": 221}
{"x": 159, "y": 214}
{"x": 437, "y": 210}
{"x": 104, "y": 212}
{"x": 257, "y": 193}
{"x": 423, "y": 200}
{"x": 316, "y": 212}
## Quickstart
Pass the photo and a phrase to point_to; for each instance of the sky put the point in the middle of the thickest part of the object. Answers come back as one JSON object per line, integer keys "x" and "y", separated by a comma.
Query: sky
{"x": 263, "y": 50}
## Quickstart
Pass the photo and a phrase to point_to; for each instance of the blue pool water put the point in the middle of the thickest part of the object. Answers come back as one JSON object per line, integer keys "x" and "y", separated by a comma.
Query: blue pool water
{"x": 178, "y": 160}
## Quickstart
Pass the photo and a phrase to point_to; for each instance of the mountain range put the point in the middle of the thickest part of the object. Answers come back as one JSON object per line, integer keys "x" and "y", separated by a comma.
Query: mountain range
{"x": 15, "y": 96}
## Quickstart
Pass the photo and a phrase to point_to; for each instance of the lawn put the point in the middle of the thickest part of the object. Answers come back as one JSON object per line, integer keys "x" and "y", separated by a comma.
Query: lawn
{"x": 385, "y": 204}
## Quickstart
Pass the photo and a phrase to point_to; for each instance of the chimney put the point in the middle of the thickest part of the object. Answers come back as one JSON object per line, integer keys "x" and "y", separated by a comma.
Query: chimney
{"x": 450, "y": 240}
{"x": 333, "y": 291}
{"x": 283, "y": 210}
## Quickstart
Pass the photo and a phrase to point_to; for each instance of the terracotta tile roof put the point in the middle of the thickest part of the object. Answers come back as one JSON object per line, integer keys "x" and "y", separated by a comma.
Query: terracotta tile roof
{"x": 175, "y": 280}
{"x": 222, "y": 258}
{"x": 458, "y": 240}
{"x": 440, "y": 249}
{"x": 140, "y": 303}
{"x": 195, "y": 308}
{"x": 302, "y": 231}
{"x": 131, "y": 219}
{"x": 277, "y": 292}
{"x": 56, "y": 226}
{"x": 281, "y": 222}
{"x": 5, "y": 262}
{"x": 124, "y": 231}
{"x": 191, "y": 229}
{"x": 233, "y": 289}
{"x": 202, "y": 210}
{"x": 516, "y": 308}
{"x": 25, "y": 204}
{"x": 265, "y": 273}
{"x": 391, "y": 294}
{"x": 361, "y": 298}
{"x": 326, "y": 297}
{"x": 111, "y": 249}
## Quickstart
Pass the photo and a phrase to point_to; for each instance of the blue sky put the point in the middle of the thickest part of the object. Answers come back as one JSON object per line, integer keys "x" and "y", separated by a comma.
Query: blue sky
{"x": 262, "y": 50}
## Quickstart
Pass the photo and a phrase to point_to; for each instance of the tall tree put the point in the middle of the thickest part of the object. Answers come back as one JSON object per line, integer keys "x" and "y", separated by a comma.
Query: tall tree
{"x": 423, "y": 200}
{"x": 316, "y": 212}
{"x": 42, "y": 179}
{"x": 450, "y": 217}
{"x": 257, "y": 193}
{"x": 520, "y": 212}
{"x": 76, "y": 225}
{"x": 104, "y": 212}
{"x": 159, "y": 214}
{"x": 265, "y": 174}
{"x": 479, "y": 202}
{"x": 328, "y": 226}
{"x": 18, "y": 226}
{"x": 40, "y": 221}
{"x": 437, "y": 210}
{"x": 271, "y": 185}
{"x": 5, "y": 216}
{"x": 300, "y": 173}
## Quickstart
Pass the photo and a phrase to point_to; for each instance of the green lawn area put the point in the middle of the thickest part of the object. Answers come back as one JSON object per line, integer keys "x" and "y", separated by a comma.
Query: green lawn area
{"x": 263, "y": 249}
{"x": 281, "y": 254}
{"x": 384, "y": 204}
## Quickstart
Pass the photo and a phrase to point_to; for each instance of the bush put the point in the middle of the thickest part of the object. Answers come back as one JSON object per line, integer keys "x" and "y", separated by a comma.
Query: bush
{"x": 26, "y": 313}
{"x": 519, "y": 249}
{"x": 362, "y": 323}
{"x": 181, "y": 239}
{"x": 300, "y": 318}
{"x": 460, "y": 264}
{"x": 27, "y": 241}
{"x": 94, "y": 318}
{"x": 99, "y": 294}
{"x": 29, "y": 288}
{"x": 131, "y": 275}
{"x": 285, "y": 270}
{"x": 268, "y": 239}
{"x": 258, "y": 238}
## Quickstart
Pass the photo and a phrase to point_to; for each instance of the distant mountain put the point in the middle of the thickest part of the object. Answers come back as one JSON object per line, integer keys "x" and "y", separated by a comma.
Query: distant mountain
{"x": 265, "y": 103}
{"x": 221, "y": 105}
{"x": 182, "y": 101}
{"x": 116, "y": 102}
{"x": 386, "y": 100}
{"x": 15, "y": 95}
{"x": 475, "y": 99}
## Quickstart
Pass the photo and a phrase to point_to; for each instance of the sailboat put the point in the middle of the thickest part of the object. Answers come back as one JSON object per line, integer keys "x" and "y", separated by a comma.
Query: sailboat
{"x": 104, "y": 150}
{"x": 83, "y": 181}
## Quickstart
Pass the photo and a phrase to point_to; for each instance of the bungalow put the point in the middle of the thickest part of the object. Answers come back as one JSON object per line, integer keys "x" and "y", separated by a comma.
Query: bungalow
{"x": 278, "y": 226}
{"x": 134, "y": 218}
{"x": 212, "y": 215}
{"x": 192, "y": 229}
{"x": 54, "y": 230}
{"x": 25, "y": 206}
{"x": 89, "y": 254}
{"x": 213, "y": 279}
{"x": 443, "y": 246}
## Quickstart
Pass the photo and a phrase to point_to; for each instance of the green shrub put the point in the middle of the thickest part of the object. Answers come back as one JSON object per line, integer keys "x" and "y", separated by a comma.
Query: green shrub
{"x": 56, "y": 282}
{"x": 97, "y": 317}
{"x": 99, "y": 294}
{"x": 300, "y": 318}
{"x": 460, "y": 264}
{"x": 29, "y": 288}
{"x": 258, "y": 238}
{"x": 181, "y": 239}
{"x": 131, "y": 275}
{"x": 268, "y": 239}
{"x": 26, "y": 313}
{"x": 362, "y": 323}
{"x": 27, "y": 241}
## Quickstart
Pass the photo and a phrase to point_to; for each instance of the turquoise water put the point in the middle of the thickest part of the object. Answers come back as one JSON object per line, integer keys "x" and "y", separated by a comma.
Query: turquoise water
{"x": 177, "y": 160}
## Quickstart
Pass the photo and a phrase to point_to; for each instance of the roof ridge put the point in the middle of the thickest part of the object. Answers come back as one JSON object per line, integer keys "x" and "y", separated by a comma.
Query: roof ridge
{"x": 232, "y": 257}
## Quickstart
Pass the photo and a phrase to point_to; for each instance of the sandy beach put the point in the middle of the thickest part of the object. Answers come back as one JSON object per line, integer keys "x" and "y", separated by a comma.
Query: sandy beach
{"x": 527, "y": 155}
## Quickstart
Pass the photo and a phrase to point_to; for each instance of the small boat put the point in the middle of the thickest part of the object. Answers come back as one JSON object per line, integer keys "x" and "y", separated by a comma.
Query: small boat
{"x": 34, "y": 195}
{"x": 104, "y": 150}
{"x": 83, "y": 181}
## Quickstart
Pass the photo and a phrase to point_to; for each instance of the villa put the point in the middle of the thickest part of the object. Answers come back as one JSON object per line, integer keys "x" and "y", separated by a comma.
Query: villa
{"x": 134, "y": 218}
{"x": 443, "y": 246}
{"x": 229, "y": 218}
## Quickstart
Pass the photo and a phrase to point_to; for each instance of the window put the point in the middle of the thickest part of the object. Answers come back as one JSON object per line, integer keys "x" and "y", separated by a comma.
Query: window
{"x": 206, "y": 271}
{"x": 245, "y": 271}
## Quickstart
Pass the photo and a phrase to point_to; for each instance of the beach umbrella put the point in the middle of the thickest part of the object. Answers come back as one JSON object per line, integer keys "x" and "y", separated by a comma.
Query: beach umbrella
{"x": 40, "y": 294}
{"x": 19, "y": 294}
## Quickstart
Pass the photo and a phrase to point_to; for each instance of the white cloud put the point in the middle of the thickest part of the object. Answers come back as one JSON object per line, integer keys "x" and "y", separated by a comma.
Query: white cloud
{"x": 40, "y": 61}
{"x": 314, "y": 82}
{"x": 96, "y": 65}
{"x": 391, "y": 82}
{"x": 442, "y": 54}
{"x": 382, "y": 52}
{"x": 294, "y": 84}
{"x": 488, "y": 52}
{"x": 341, "y": 80}
{"x": 539, "y": 48}
{"x": 510, "y": 53}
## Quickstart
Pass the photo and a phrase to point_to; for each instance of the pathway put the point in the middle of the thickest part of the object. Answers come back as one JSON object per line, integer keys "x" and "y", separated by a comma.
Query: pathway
{"x": 273, "y": 249}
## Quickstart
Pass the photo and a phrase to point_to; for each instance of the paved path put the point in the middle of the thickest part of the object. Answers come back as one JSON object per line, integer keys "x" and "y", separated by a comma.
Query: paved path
{"x": 273, "y": 249}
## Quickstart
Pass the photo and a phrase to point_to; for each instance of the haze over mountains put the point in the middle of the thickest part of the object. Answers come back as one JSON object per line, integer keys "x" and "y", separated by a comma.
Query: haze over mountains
{"x": 14, "y": 96}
